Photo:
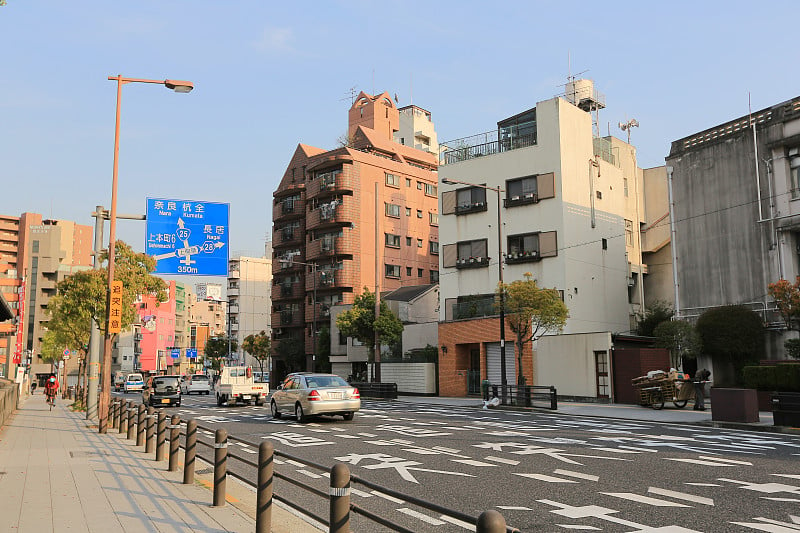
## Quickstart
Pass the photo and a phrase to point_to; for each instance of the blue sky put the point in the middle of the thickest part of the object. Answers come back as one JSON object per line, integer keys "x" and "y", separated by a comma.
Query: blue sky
{"x": 269, "y": 74}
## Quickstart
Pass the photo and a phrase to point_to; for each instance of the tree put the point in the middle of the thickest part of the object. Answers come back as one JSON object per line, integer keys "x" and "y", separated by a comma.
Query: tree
{"x": 323, "y": 352}
{"x": 292, "y": 352}
{"x": 360, "y": 323}
{"x": 680, "y": 338}
{"x": 657, "y": 313}
{"x": 531, "y": 312}
{"x": 732, "y": 334}
{"x": 258, "y": 346}
{"x": 787, "y": 299}
{"x": 217, "y": 349}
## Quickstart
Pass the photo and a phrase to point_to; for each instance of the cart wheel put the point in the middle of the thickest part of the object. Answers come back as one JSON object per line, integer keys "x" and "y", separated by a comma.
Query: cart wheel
{"x": 658, "y": 401}
{"x": 680, "y": 404}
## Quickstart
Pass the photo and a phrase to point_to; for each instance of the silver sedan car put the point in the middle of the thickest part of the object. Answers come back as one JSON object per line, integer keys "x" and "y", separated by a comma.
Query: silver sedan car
{"x": 306, "y": 394}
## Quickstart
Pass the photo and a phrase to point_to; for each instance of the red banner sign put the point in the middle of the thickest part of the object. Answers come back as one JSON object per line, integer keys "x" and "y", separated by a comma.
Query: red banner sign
{"x": 20, "y": 324}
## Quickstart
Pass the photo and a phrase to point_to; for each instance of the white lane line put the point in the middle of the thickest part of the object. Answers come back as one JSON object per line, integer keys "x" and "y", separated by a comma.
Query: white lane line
{"x": 368, "y": 435}
{"x": 542, "y": 477}
{"x": 512, "y": 508}
{"x": 319, "y": 430}
{"x": 360, "y": 493}
{"x": 583, "y": 528}
{"x": 457, "y": 522}
{"x": 421, "y": 451}
{"x": 723, "y": 460}
{"x": 703, "y": 484}
{"x": 696, "y": 462}
{"x": 386, "y": 497}
{"x": 643, "y": 499}
{"x": 278, "y": 461}
{"x": 681, "y": 496}
{"x": 793, "y": 476}
{"x": 295, "y": 463}
{"x": 250, "y": 450}
{"x": 636, "y": 448}
{"x": 242, "y": 444}
{"x": 425, "y": 518}
{"x": 579, "y": 475}
{"x": 312, "y": 475}
{"x": 347, "y": 436}
{"x": 471, "y": 462}
{"x": 616, "y": 450}
{"x": 446, "y": 450}
{"x": 501, "y": 460}
{"x": 797, "y": 500}
{"x": 770, "y": 528}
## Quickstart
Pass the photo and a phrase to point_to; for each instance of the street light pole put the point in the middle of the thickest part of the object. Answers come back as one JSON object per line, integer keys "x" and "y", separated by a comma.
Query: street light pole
{"x": 177, "y": 86}
{"x": 498, "y": 191}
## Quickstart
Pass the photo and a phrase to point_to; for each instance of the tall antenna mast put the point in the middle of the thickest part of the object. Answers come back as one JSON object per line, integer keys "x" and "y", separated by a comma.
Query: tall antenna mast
{"x": 350, "y": 95}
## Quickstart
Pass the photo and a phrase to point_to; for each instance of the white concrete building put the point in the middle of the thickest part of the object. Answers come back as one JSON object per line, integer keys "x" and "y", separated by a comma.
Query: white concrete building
{"x": 571, "y": 212}
{"x": 417, "y": 129}
{"x": 249, "y": 297}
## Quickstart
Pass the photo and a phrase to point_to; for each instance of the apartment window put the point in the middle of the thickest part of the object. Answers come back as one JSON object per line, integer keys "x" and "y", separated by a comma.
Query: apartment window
{"x": 392, "y": 241}
{"x": 419, "y": 213}
{"x": 392, "y": 180}
{"x": 470, "y": 199}
{"x": 433, "y": 218}
{"x": 472, "y": 254}
{"x": 420, "y": 272}
{"x": 408, "y": 211}
{"x": 628, "y": 232}
{"x": 794, "y": 172}
{"x": 408, "y": 182}
{"x": 522, "y": 191}
{"x": 392, "y": 210}
{"x": 408, "y": 272}
{"x": 419, "y": 243}
{"x": 625, "y": 186}
{"x": 393, "y": 271}
{"x": 434, "y": 248}
{"x": 419, "y": 185}
{"x": 36, "y": 247}
{"x": 430, "y": 189}
{"x": 523, "y": 248}
{"x": 434, "y": 276}
{"x": 408, "y": 241}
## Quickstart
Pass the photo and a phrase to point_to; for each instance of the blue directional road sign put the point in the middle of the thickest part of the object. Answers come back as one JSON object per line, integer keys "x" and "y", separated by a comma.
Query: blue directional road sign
{"x": 175, "y": 353}
{"x": 188, "y": 237}
{"x": 191, "y": 353}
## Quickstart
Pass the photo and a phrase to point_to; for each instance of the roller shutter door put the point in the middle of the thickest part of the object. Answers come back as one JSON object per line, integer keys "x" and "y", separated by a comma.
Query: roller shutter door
{"x": 493, "y": 363}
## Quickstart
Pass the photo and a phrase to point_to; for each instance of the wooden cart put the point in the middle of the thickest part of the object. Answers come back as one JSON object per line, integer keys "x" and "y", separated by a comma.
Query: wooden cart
{"x": 674, "y": 387}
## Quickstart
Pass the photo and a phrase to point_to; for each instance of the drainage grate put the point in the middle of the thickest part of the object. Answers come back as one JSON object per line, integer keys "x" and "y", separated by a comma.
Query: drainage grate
{"x": 205, "y": 471}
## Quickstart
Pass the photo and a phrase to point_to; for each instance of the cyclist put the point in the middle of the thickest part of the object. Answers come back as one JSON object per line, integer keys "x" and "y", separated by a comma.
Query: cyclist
{"x": 51, "y": 388}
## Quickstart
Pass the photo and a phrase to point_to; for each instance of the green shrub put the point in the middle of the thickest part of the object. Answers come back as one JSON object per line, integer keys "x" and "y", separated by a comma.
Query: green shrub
{"x": 759, "y": 377}
{"x": 792, "y": 348}
{"x": 787, "y": 377}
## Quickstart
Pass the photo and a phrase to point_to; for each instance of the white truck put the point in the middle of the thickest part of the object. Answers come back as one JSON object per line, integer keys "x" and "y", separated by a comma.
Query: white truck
{"x": 235, "y": 384}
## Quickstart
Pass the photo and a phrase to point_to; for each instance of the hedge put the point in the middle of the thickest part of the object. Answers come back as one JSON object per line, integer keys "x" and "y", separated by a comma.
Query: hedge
{"x": 784, "y": 377}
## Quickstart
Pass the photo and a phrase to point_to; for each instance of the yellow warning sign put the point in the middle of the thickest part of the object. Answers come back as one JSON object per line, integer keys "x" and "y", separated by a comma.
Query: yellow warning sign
{"x": 115, "y": 308}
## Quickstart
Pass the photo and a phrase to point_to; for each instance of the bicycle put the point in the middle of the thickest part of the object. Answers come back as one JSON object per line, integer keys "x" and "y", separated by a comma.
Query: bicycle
{"x": 51, "y": 400}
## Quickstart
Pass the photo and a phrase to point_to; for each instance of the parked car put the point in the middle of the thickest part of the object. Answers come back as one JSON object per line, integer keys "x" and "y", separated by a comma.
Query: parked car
{"x": 162, "y": 390}
{"x": 198, "y": 383}
{"x": 119, "y": 380}
{"x": 133, "y": 383}
{"x": 235, "y": 384}
{"x": 307, "y": 394}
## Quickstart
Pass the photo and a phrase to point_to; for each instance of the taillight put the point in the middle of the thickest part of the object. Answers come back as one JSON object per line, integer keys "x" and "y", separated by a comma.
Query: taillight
{"x": 356, "y": 395}
{"x": 313, "y": 396}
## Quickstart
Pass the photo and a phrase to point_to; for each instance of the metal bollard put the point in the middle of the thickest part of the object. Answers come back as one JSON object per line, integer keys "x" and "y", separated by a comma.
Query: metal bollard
{"x": 123, "y": 416}
{"x": 140, "y": 425}
{"x": 161, "y": 436}
{"x": 340, "y": 499}
{"x": 220, "y": 466}
{"x": 150, "y": 432}
{"x": 491, "y": 522}
{"x": 174, "y": 442}
{"x": 114, "y": 413}
{"x": 264, "y": 489}
{"x": 191, "y": 449}
{"x": 131, "y": 422}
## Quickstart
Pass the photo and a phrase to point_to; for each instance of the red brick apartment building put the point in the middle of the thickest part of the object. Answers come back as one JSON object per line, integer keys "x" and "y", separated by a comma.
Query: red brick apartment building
{"x": 364, "y": 214}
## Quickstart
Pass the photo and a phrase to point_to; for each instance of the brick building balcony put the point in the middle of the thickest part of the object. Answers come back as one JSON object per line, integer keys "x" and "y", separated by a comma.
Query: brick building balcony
{"x": 330, "y": 185}
{"x": 287, "y": 319}
{"x": 288, "y": 209}
{"x": 332, "y": 279}
{"x": 335, "y": 212}
{"x": 288, "y": 291}
{"x": 331, "y": 246}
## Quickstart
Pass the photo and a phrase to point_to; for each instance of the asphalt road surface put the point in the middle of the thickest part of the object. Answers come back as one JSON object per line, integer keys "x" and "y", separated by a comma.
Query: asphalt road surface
{"x": 542, "y": 471}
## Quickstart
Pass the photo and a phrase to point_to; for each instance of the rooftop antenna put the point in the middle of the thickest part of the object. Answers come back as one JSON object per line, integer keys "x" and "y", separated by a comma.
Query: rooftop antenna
{"x": 351, "y": 95}
{"x": 411, "y": 88}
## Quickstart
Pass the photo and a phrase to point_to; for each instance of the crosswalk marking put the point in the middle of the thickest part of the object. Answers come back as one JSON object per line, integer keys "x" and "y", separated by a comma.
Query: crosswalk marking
{"x": 423, "y": 517}
{"x": 643, "y": 499}
{"x": 681, "y": 496}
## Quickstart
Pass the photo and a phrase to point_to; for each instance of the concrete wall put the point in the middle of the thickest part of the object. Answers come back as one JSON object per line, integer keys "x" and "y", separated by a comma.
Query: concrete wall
{"x": 568, "y": 362}
{"x": 420, "y": 335}
{"x": 411, "y": 378}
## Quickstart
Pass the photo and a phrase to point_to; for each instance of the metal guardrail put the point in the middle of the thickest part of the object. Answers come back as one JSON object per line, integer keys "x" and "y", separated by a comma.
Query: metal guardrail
{"x": 383, "y": 391}
{"x": 526, "y": 395}
{"x": 9, "y": 396}
{"x": 338, "y": 494}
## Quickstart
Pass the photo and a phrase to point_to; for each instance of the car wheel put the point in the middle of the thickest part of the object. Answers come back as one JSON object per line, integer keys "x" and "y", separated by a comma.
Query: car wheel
{"x": 348, "y": 416}
{"x": 298, "y": 413}
{"x": 178, "y": 404}
{"x": 259, "y": 402}
{"x": 219, "y": 400}
{"x": 273, "y": 409}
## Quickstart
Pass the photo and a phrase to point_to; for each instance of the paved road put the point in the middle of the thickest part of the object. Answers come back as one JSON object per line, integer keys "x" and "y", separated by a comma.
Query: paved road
{"x": 543, "y": 471}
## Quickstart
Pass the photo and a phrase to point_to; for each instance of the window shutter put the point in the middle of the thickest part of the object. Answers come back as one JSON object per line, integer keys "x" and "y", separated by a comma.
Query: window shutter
{"x": 548, "y": 245}
{"x": 449, "y": 255}
{"x": 546, "y": 185}
{"x": 448, "y": 202}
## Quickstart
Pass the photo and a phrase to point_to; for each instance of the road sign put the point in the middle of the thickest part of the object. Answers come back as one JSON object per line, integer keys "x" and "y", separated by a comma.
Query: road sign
{"x": 66, "y": 352}
{"x": 191, "y": 353}
{"x": 115, "y": 308}
{"x": 175, "y": 353}
{"x": 188, "y": 237}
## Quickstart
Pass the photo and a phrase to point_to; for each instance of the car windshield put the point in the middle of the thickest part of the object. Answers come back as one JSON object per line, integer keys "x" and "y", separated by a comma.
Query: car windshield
{"x": 199, "y": 378}
{"x": 165, "y": 383}
{"x": 135, "y": 377}
{"x": 315, "y": 382}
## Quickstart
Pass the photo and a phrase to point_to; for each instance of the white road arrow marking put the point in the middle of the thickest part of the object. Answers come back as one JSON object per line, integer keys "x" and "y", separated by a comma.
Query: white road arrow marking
{"x": 643, "y": 499}
{"x": 681, "y": 496}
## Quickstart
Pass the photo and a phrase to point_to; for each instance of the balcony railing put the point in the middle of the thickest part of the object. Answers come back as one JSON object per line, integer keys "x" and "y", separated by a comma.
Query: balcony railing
{"x": 473, "y": 207}
{"x": 474, "y": 307}
{"x": 472, "y": 262}
{"x": 526, "y": 256}
{"x": 483, "y": 144}
{"x": 522, "y": 199}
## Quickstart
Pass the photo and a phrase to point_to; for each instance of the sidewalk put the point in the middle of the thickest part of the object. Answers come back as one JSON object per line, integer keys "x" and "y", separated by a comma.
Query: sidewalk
{"x": 58, "y": 474}
{"x": 668, "y": 414}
